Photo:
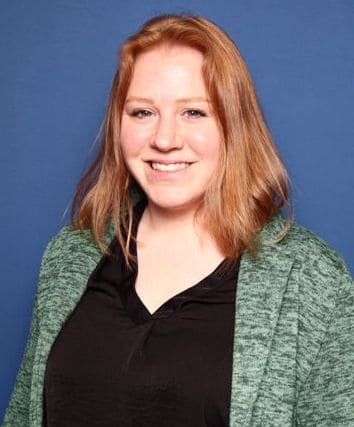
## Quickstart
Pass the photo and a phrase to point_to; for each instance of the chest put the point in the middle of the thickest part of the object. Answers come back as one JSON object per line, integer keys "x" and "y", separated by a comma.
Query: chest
{"x": 164, "y": 273}
{"x": 135, "y": 365}
{"x": 265, "y": 336}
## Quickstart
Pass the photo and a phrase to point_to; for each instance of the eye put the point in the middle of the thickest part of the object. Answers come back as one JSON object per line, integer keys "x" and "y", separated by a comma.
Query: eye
{"x": 141, "y": 113}
{"x": 194, "y": 113}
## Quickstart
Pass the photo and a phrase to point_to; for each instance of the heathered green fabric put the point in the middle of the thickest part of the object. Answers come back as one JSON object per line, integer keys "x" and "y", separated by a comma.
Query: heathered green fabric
{"x": 294, "y": 330}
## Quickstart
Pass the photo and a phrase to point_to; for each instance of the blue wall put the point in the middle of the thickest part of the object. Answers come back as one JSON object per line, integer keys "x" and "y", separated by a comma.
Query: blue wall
{"x": 57, "y": 62}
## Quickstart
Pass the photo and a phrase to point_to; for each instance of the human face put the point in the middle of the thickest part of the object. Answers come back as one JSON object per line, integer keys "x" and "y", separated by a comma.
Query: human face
{"x": 170, "y": 138}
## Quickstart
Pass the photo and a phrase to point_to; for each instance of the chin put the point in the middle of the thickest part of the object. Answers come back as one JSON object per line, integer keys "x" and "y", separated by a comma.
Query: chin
{"x": 175, "y": 204}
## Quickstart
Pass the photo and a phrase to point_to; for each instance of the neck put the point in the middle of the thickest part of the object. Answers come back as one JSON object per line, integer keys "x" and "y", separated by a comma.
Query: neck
{"x": 158, "y": 219}
{"x": 178, "y": 228}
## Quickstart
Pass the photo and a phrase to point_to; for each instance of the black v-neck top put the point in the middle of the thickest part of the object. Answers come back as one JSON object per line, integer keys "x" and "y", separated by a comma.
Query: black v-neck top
{"x": 115, "y": 364}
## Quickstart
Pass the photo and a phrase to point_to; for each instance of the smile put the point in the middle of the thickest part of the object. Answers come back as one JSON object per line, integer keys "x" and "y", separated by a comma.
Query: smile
{"x": 169, "y": 167}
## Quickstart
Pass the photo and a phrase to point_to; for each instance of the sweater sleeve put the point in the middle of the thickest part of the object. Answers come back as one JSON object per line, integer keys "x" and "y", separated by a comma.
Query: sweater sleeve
{"x": 326, "y": 398}
{"x": 18, "y": 411}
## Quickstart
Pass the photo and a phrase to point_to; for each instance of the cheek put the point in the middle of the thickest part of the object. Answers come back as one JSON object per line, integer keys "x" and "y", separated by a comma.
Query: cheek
{"x": 132, "y": 139}
{"x": 206, "y": 143}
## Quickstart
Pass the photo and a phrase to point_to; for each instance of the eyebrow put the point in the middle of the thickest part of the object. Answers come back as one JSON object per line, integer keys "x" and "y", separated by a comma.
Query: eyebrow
{"x": 178, "y": 101}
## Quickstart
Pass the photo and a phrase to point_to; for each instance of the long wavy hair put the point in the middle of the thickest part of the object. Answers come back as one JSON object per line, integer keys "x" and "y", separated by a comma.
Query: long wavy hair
{"x": 251, "y": 182}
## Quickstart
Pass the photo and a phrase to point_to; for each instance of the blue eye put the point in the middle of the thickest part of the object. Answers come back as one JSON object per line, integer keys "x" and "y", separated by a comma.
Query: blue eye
{"x": 141, "y": 113}
{"x": 195, "y": 113}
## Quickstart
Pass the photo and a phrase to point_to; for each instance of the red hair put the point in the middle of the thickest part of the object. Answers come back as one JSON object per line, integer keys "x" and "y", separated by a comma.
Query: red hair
{"x": 251, "y": 182}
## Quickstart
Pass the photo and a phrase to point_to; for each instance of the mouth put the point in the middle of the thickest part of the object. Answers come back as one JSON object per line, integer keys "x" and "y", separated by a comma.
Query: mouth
{"x": 169, "y": 167}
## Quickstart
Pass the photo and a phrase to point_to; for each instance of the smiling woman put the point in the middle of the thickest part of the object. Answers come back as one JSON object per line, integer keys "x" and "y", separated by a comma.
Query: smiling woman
{"x": 249, "y": 183}
{"x": 180, "y": 295}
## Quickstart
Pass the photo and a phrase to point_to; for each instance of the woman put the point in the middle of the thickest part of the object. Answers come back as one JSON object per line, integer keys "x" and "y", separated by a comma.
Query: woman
{"x": 180, "y": 296}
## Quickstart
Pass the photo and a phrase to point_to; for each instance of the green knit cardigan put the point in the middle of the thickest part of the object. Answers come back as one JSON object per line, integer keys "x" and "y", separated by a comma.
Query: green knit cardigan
{"x": 293, "y": 360}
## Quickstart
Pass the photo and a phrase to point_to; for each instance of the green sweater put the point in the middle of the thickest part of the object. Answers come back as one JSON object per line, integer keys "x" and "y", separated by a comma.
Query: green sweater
{"x": 293, "y": 360}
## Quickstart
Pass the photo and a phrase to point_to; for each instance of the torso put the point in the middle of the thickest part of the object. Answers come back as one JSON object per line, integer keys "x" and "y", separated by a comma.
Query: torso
{"x": 114, "y": 360}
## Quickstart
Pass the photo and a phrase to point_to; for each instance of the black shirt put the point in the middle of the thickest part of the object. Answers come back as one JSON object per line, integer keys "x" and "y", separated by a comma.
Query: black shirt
{"x": 115, "y": 364}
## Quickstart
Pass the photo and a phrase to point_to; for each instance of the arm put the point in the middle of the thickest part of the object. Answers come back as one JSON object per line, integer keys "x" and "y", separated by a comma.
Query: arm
{"x": 326, "y": 398}
{"x": 17, "y": 414}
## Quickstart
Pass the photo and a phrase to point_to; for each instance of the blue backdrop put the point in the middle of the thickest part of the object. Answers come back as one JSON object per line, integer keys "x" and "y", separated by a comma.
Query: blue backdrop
{"x": 57, "y": 63}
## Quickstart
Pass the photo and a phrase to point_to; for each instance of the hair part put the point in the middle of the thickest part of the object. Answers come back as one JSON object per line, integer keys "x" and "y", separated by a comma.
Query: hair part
{"x": 251, "y": 182}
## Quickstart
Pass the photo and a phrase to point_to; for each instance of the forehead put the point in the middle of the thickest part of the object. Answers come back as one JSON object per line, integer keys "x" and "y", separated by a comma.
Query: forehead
{"x": 168, "y": 68}
{"x": 169, "y": 51}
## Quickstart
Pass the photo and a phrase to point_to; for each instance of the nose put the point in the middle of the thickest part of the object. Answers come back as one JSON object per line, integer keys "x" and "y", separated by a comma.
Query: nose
{"x": 167, "y": 137}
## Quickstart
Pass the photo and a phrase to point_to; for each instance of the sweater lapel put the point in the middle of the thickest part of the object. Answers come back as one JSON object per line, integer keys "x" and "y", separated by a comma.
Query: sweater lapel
{"x": 77, "y": 255}
{"x": 260, "y": 289}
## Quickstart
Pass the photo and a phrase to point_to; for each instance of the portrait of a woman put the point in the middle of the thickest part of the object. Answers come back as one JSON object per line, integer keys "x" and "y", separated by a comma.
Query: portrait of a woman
{"x": 181, "y": 294}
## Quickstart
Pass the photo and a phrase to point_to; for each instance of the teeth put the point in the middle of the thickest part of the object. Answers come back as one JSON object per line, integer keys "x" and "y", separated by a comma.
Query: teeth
{"x": 170, "y": 167}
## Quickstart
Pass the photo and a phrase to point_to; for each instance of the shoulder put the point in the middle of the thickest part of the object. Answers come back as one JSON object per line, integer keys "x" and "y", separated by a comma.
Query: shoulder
{"x": 318, "y": 272}
{"x": 66, "y": 241}
{"x": 320, "y": 277}
{"x": 69, "y": 259}
{"x": 72, "y": 247}
{"x": 316, "y": 256}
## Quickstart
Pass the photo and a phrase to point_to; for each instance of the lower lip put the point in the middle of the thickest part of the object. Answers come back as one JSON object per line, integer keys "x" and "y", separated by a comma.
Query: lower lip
{"x": 167, "y": 175}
